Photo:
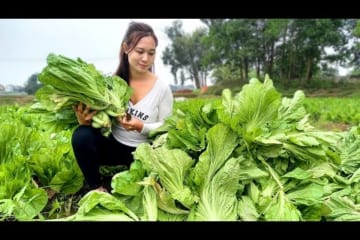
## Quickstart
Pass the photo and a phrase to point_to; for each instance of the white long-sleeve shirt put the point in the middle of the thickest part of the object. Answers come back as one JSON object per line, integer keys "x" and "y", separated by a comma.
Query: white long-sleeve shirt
{"x": 152, "y": 110}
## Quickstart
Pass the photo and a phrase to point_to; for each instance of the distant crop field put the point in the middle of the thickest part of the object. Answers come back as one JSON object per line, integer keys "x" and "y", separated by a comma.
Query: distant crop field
{"x": 15, "y": 99}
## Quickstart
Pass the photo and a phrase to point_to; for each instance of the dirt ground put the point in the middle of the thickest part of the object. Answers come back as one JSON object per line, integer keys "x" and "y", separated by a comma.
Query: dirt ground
{"x": 12, "y": 99}
{"x": 332, "y": 126}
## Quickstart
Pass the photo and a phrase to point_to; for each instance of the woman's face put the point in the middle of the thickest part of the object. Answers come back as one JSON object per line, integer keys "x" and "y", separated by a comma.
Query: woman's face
{"x": 142, "y": 57}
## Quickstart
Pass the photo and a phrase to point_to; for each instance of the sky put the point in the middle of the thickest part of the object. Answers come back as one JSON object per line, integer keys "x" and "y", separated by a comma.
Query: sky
{"x": 25, "y": 44}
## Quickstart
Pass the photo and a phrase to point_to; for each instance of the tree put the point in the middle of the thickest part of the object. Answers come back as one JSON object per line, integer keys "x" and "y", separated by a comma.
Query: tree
{"x": 32, "y": 84}
{"x": 289, "y": 49}
{"x": 168, "y": 58}
{"x": 355, "y": 61}
{"x": 186, "y": 53}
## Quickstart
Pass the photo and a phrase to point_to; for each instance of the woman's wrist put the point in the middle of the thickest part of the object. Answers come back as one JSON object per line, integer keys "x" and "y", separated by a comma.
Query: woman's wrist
{"x": 85, "y": 122}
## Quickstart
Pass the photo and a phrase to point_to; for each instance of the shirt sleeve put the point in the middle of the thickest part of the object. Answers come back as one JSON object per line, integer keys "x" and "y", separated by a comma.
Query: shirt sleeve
{"x": 165, "y": 110}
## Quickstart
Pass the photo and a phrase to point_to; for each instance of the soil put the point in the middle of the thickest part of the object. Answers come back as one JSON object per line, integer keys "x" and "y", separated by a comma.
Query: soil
{"x": 51, "y": 193}
{"x": 19, "y": 99}
{"x": 332, "y": 92}
{"x": 333, "y": 126}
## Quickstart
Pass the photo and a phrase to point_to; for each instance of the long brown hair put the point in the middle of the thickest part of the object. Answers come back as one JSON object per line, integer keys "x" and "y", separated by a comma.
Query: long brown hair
{"x": 135, "y": 32}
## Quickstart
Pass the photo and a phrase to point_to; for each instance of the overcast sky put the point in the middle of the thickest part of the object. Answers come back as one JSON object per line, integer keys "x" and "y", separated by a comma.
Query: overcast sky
{"x": 25, "y": 44}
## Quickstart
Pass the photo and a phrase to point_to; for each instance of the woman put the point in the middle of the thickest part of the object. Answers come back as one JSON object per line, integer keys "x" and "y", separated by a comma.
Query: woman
{"x": 151, "y": 102}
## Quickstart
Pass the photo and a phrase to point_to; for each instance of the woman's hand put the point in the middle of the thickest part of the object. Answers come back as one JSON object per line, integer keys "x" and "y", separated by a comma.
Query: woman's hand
{"x": 83, "y": 115}
{"x": 131, "y": 124}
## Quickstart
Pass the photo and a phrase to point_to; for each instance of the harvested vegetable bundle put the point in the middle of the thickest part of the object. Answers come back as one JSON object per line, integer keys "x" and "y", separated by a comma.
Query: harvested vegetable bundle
{"x": 68, "y": 82}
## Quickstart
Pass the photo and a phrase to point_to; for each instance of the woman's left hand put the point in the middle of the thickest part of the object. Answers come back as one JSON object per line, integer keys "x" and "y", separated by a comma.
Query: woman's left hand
{"x": 132, "y": 124}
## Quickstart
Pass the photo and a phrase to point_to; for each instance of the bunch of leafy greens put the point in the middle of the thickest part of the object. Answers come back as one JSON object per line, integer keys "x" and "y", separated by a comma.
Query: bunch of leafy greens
{"x": 68, "y": 82}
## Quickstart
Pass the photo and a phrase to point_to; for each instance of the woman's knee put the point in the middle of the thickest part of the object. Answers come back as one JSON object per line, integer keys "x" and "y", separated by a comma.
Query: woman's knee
{"x": 83, "y": 135}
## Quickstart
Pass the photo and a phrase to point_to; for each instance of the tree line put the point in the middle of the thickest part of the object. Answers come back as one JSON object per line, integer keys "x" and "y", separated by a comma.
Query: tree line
{"x": 289, "y": 50}
{"x": 292, "y": 51}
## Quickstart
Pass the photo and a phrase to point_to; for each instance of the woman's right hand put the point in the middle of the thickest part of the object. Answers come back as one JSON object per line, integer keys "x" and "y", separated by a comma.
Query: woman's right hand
{"x": 83, "y": 114}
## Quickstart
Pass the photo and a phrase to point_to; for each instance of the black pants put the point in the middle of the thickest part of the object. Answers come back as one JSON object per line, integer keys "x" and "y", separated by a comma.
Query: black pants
{"x": 92, "y": 150}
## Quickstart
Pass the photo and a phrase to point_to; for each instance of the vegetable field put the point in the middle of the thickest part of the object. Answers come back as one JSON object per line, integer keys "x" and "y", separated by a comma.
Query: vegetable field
{"x": 247, "y": 156}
